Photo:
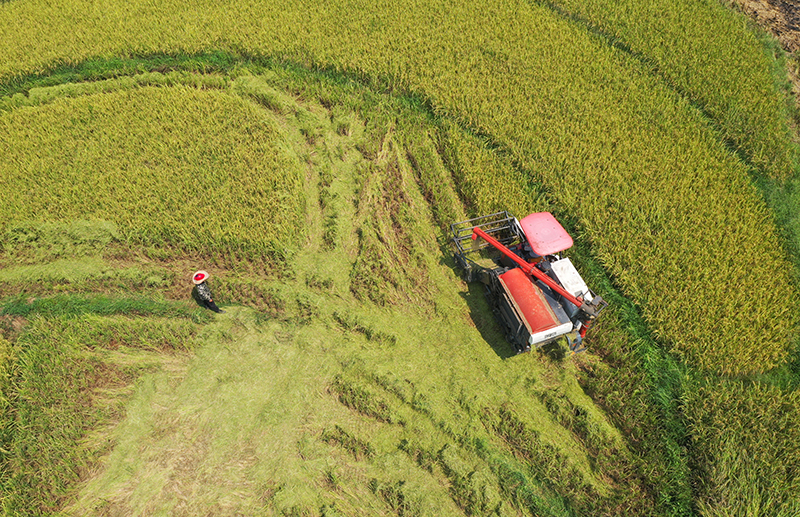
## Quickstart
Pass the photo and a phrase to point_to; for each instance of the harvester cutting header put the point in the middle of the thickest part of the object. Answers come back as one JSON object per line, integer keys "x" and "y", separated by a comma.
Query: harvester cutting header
{"x": 536, "y": 295}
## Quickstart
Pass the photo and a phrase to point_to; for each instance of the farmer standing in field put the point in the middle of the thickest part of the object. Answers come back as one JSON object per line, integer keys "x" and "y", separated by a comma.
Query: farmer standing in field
{"x": 203, "y": 291}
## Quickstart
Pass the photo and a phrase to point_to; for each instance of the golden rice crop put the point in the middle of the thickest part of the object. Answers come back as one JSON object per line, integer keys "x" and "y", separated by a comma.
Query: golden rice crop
{"x": 487, "y": 180}
{"x": 667, "y": 207}
{"x": 200, "y": 169}
{"x": 707, "y": 52}
{"x": 746, "y": 444}
{"x": 635, "y": 163}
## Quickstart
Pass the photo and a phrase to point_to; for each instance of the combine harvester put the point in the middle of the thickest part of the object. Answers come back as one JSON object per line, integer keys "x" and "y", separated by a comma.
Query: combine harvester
{"x": 536, "y": 295}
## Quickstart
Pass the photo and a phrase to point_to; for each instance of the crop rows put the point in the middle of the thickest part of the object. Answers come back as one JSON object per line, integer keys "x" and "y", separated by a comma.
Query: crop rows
{"x": 708, "y": 53}
{"x": 746, "y": 447}
{"x": 170, "y": 166}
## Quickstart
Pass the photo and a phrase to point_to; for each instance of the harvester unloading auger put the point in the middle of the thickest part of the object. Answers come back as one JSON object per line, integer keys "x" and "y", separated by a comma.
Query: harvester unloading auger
{"x": 536, "y": 295}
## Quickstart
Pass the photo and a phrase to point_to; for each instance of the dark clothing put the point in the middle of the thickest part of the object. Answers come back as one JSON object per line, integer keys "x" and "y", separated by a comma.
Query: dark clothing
{"x": 211, "y": 305}
{"x": 204, "y": 293}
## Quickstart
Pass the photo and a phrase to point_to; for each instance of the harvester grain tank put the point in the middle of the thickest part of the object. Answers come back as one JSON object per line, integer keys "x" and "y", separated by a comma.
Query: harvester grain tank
{"x": 537, "y": 296}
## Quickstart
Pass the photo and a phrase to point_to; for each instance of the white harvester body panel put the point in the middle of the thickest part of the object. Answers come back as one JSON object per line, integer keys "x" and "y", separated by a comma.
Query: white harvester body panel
{"x": 570, "y": 279}
{"x": 549, "y": 334}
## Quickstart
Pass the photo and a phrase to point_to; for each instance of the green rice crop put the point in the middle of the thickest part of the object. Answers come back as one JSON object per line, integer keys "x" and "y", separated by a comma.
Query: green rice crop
{"x": 200, "y": 170}
{"x": 154, "y": 334}
{"x": 71, "y": 305}
{"x": 59, "y": 392}
{"x": 58, "y": 381}
{"x": 488, "y": 180}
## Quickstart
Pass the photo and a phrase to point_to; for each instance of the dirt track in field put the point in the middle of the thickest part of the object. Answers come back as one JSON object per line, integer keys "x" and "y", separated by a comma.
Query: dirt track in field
{"x": 782, "y": 19}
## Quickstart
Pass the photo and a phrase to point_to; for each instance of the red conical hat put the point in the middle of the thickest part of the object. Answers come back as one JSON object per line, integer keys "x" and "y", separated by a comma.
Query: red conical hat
{"x": 200, "y": 277}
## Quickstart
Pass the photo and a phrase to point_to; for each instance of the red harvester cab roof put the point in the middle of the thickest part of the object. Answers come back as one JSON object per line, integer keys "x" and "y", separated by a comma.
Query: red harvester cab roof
{"x": 545, "y": 235}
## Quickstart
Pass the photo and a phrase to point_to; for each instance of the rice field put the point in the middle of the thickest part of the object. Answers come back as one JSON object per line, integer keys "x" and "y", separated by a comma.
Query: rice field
{"x": 644, "y": 142}
{"x": 700, "y": 49}
{"x": 636, "y": 163}
{"x": 182, "y": 167}
{"x": 325, "y": 400}
{"x": 745, "y": 448}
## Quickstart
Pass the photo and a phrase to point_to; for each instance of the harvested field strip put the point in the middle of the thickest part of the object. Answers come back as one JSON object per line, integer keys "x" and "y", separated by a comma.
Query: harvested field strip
{"x": 640, "y": 386}
{"x": 257, "y": 406}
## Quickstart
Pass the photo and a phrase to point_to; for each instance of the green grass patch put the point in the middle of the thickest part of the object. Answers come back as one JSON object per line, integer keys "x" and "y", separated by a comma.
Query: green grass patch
{"x": 66, "y": 270}
{"x": 103, "y": 69}
{"x": 83, "y": 275}
{"x": 164, "y": 334}
{"x": 76, "y": 305}
{"x": 52, "y": 412}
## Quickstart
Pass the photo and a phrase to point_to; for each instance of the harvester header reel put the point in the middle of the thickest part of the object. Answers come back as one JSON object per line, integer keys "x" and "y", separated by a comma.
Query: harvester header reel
{"x": 536, "y": 295}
